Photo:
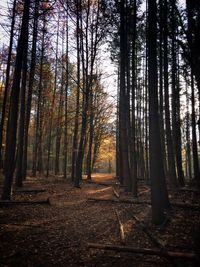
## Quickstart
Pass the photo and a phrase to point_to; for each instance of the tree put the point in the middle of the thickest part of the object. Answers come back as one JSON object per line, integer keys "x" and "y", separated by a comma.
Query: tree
{"x": 7, "y": 79}
{"x": 159, "y": 195}
{"x": 14, "y": 102}
{"x": 170, "y": 148}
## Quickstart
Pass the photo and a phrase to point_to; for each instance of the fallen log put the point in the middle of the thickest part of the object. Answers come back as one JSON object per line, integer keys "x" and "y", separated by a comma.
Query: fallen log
{"x": 121, "y": 200}
{"x": 190, "y": 190}
{"x": 34, "y": 191}
{"x": 161, "y": 253}
{"x": 18, "y": 224}
{"x": 18, "y": 202}
{"x": 186, "y": 206}
{"x": 115, "y": 193}
{"x": 132, "y": 201}
{"x": 121, "y": 228}
{"x": 143, "y": 192}
{"x": 99, "y": 183}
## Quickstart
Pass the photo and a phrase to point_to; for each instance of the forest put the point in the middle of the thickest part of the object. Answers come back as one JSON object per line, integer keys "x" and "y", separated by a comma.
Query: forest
{"x": 99, "y": 133}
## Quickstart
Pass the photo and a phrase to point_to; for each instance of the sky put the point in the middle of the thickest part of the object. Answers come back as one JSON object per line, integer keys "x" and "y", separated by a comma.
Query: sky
{"x": 109, "y": 77}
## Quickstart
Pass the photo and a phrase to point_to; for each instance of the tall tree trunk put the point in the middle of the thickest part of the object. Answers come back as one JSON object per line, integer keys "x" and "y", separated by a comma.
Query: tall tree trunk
{"x": 3, "y": 114}
{"x": 30, "y": 87}
{"x": 85, "y": 101}
{"x": 123, "y": 137}
{"x": 60, "y": 110}
{"x": 39, "y": 106}
{"x": 188, "y": 149}
{"x": 91, "y": 135}
{"x": 66, "y": 98}
{"x": 49, "y": 144}
{"x": 13, "y": 110}
{"x": 20, "y": 154}
{"x": 161, "y": 98}
{"x": 194, "y": 137}
{"x": 170, "y": 152}
{"x": 159, "y": 195}
{"x": 176, "y": 106}
{"x": 133, "y": 160}
{"x": 75, "y": 137}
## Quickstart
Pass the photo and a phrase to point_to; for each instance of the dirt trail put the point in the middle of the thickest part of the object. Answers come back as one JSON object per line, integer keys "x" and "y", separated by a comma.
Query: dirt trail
{"x": 58, "y": 234}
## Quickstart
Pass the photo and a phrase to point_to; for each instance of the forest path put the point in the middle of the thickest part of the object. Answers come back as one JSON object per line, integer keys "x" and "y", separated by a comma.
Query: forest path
{"x": 58, "y": 234}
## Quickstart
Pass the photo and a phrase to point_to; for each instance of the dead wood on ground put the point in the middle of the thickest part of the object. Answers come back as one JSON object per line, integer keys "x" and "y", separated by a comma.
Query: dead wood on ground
{"x": 121, "y": 228}
{"x": 115, "y": 193}
{"x": 18, "y": 202}
{"x": 161, "y": 253}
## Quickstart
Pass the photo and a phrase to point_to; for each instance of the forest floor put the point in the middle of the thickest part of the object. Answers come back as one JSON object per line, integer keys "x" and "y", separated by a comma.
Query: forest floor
{"x": 43, "y": 235}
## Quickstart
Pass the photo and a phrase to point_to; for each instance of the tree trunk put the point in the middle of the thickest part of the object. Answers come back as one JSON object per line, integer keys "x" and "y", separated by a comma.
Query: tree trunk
{"x": 66, "y": 98}
{"x": 133, "y": 155}
{"x": 20, "y": 150}
{"x": 30, "y": 88}
{"x": 3, "y": 114}
{"x": 170, "y": 152}
{"x": 13, "y": 110}
{"x": 39, "y": 105}
{"x": 176, "y": 106}
{"x": 76, "y": 126}
{"x": 123, "y": 135}
{"x": 159, "y": 195}
{"x": 49, "y": 144}
{"x": 194, "y": 137}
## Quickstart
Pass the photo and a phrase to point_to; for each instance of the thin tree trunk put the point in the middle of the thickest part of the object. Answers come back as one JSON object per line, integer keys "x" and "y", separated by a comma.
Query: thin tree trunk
{"x": 133, "y": 160}
{"x": 123, "y": 140}
{"x": 3, "y": 114}
{"x": 188, "y": 149}
{"x": 75, "y": 137}
{"x": 30, "y": 88}
{"x": 161, "y": 104}
{"x": 176, "y": 107}
{"x": 194, "y": 137}
{"x": 66, "y": 98}
{"x": 49, "y": 144}
{"x": 170, "y": 152}
{"x": 39, "y": 103}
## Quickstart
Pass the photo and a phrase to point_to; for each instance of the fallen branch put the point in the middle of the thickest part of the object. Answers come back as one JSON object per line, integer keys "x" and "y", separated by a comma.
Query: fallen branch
{"x": 158, "y": 243}
{"x": 115, "y": 193}
{"x": 16, "y": 202}
{"x": 131, "y": 201}
{"x": 121, "y": 200}
{"x": 30, "y": 191}
{"x": 161, "y": 253}
{"x": 18, "y": 224}
{"x": 186, "y": 206}
{"x": 190, "y": 190}
{"x": 143, "y": 192}
{"x": 121, "y": 228}
{"x": 97, "y": 183}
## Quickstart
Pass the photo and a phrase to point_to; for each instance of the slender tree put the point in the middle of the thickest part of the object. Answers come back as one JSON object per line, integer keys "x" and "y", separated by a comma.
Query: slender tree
{"x": 3, "y": 113}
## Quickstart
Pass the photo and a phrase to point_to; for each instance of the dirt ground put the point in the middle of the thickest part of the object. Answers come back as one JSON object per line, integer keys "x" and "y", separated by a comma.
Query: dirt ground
{"x": 58, "y": 234}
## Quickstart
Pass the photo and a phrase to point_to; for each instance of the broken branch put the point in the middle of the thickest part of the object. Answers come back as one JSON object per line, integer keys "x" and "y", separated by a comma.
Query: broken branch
{"x": 16, "y": 202}
{"x": 161, "y": 253}
{"x": 121, "y": 228}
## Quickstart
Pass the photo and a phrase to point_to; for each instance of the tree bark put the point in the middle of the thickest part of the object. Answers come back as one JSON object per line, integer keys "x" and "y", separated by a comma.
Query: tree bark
{"x": 13, "y": 110}
{"x": 159, "y": 195}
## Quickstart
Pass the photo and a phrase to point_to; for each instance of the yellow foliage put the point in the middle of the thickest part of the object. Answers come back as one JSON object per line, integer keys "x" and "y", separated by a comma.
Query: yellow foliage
{"x": 106, "y": 154}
